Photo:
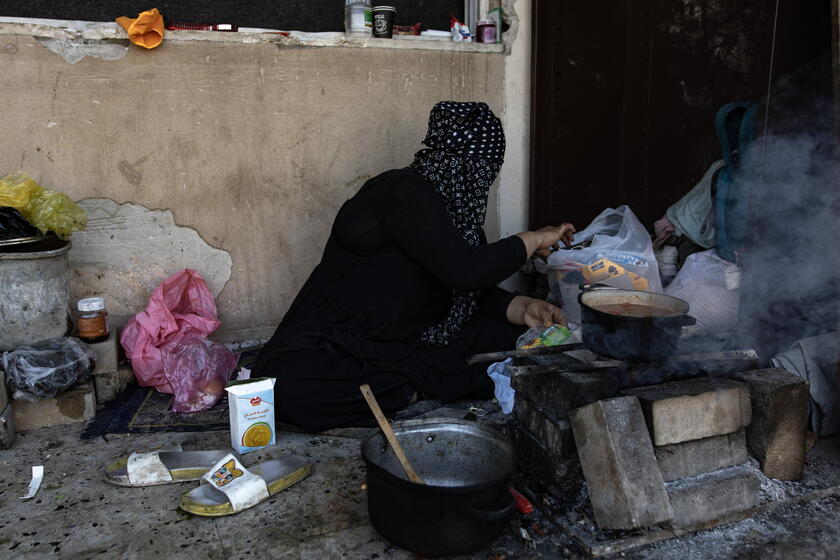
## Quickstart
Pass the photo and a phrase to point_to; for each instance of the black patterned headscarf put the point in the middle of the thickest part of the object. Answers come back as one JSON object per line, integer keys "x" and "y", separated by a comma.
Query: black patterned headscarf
{"x": 466, "y": 148}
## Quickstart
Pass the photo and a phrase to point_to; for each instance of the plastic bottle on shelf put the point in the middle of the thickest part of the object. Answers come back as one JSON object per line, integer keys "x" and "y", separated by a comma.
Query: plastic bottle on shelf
{"x": 358, "y": 18}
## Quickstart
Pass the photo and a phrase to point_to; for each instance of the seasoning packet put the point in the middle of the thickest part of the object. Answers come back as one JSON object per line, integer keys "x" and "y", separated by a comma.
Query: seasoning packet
{"x": 251, "y": 407}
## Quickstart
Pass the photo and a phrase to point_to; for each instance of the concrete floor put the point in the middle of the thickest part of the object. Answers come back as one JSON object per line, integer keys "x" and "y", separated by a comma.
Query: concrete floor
{"x": 76, "y": 515}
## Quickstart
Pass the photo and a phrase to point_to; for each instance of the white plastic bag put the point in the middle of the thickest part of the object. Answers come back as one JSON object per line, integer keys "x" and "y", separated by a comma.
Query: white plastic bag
{"x": 618, "y": 242}
{"x": 702, "y": 282}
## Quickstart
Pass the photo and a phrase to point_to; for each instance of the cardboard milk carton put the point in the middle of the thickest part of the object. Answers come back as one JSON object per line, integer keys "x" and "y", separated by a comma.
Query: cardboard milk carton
{"x": 251, "y": 405}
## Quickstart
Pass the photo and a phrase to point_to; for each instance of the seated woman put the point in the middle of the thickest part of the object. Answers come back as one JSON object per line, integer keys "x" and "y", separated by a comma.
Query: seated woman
{"x": 406, "y": 289}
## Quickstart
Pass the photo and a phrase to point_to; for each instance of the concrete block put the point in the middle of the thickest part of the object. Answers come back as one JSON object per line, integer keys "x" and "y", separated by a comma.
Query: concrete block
{"x": 109, "y": 385}
{"x": 7, "y": 427}
{"x": 625, "y": 485}
{"x": 555, "y": 435}
{"x": 776, "y": 436}
{"x": 106, "y": 354}
{"x": 694, "y": 408}
{"x": 556, "y": 474}
{"x": 699, "y": 456}
{"x": 4, "y": 392}
{"x": 76, "y": 405}
{"x": 700, "y": 499}
{"x": 561, "y": 392}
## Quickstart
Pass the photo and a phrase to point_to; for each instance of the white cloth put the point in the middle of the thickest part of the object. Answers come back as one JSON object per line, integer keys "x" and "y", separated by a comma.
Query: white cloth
{"x": 815, "y": 360}
{"x": 504, "y": 393}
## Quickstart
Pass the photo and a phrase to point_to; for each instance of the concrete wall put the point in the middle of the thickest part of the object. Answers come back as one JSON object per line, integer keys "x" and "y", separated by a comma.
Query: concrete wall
{"x": 515, "y": 175}
{"x": 225, "y": 157}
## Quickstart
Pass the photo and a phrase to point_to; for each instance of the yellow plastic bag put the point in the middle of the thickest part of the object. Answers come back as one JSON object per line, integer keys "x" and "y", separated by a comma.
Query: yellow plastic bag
{"x": 45, "y": 209}
{"x": 56, "y": 212}
{"x": 17, "y": 189}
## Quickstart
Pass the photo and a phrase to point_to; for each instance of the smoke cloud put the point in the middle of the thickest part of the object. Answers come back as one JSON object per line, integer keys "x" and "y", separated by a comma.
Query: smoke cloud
{"x": 791, "y": 263}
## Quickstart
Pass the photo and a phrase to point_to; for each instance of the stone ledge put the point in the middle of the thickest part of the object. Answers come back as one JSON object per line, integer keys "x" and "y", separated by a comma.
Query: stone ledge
{"x": 109, "y": 31}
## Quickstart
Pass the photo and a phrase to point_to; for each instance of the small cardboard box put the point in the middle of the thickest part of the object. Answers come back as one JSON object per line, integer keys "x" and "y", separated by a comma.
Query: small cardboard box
{"x": 251, "y": 405}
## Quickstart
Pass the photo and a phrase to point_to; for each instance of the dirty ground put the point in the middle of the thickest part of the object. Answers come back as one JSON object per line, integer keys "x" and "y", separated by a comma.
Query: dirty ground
{"x": 77, "y": 515}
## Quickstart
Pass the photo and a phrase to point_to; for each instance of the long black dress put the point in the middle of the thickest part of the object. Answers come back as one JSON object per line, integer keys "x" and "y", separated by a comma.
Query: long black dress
{"x": 386, "y": 275}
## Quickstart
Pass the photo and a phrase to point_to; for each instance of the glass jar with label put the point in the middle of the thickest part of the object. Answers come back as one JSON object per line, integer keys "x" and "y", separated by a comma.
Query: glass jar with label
{"x": 93, "y": 320}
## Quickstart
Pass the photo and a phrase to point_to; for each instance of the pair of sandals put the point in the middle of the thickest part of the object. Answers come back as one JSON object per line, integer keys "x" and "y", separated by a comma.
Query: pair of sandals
{"x": 230, "y": 487}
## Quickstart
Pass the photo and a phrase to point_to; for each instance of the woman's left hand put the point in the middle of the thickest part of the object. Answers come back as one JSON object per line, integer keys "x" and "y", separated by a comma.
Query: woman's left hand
{"x": 534, "y": 313}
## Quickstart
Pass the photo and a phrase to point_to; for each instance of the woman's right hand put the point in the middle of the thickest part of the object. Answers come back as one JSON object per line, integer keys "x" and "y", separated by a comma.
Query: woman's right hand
{"x": 543, "y": 240}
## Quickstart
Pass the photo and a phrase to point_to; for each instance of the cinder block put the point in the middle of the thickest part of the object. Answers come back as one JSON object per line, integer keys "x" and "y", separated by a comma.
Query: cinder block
{"x": 7, "y": 427}
{"x": 694, "y": 408}
{"x": 560, "y": 392}
{"x": 708, "y": 497}
{"x": 560, "y": 476}
{"x": 554, "y": 434}
{"x": 75, "y": 405}
{"x": 625, "y": 485}
{"x": 699, "y": 456}
{"x": 107, "y": 356}
{"x": 4, "y": 393}
{"x": 109, "y": 385}
{"x": 776, "y": 436}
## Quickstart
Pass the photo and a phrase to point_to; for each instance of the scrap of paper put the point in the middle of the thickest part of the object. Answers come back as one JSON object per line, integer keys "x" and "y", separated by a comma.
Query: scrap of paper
{"x": 35, "y": 483}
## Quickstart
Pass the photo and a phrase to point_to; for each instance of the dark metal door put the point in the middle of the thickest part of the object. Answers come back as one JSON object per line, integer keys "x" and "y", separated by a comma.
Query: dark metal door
{"x": 625, "y": 93}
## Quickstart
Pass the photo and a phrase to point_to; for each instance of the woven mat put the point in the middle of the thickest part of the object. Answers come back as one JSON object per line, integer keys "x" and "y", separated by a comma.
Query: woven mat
{"x": 143, "y": 410}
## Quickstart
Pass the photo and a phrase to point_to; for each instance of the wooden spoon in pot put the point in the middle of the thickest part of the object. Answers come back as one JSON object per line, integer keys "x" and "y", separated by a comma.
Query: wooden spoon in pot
{"x": 389, "y": 435}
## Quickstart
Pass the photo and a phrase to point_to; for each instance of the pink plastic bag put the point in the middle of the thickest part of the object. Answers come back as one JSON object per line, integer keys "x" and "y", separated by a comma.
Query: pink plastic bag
{"x": 197, "y": 370}
{"x": 180, "y": 307}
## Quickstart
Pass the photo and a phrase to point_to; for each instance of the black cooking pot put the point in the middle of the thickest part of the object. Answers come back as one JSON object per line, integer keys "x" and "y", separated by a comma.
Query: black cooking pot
{"x": 466, "y": 501}
{"x": 650, "y": 337}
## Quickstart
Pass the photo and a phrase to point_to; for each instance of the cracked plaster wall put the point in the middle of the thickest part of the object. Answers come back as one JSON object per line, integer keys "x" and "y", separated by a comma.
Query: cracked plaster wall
{"x": 127, "y": 249}
{"x": 249, "y": 148}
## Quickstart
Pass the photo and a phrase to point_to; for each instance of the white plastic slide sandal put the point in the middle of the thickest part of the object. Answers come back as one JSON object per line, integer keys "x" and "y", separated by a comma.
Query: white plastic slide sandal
{"x": 167, "y": 465}
{"x": 232, "y": 488}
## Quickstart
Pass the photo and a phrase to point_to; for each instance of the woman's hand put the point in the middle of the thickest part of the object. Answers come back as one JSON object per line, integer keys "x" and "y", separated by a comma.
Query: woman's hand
{"x": 534, "y": 313}
{"x": 542, "y": 241}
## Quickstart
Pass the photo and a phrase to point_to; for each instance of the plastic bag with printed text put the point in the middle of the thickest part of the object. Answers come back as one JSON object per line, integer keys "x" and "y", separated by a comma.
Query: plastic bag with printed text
{"x": 615, "y": 249}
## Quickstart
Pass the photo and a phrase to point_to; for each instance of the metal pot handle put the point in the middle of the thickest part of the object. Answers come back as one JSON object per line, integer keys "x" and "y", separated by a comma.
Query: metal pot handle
{"x": 586, "y": 287}
{"x": 485, "y": 515}
{"x": 677, "y": 321}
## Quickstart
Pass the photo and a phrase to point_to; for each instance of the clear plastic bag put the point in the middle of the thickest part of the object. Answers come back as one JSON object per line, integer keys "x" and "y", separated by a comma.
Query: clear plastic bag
{"x": 48, "y": 368}
{"x": 197, "y": 370}
{"x": 615, "y": 249}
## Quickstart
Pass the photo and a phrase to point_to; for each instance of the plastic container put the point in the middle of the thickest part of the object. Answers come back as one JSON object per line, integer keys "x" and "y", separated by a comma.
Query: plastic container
{"x": 93, "y": 320}
{"x": 358, "y": 18}
{"x": 485, "y": 31}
